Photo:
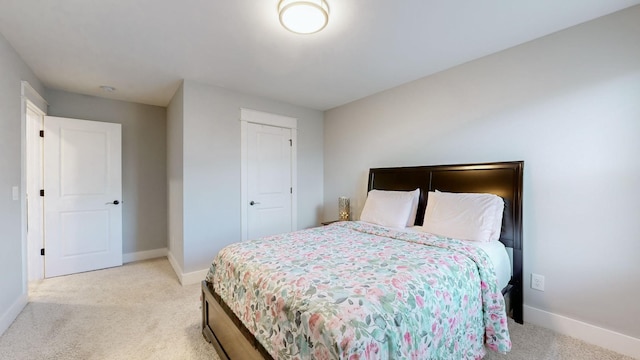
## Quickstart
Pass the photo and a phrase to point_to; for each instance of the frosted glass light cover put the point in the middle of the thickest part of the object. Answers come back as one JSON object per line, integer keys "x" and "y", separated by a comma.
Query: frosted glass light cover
{"x": 303, "y": 16}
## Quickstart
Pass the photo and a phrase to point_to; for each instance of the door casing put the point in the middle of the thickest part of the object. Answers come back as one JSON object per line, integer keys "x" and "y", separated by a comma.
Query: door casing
{"x": 30, "y": 97}
{"x": 34, "y": 183}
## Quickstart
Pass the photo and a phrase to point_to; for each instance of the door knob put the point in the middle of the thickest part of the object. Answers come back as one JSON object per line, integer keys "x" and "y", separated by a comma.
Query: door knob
{"x": 254, "y": 203}
{"x": 115, "y": 202}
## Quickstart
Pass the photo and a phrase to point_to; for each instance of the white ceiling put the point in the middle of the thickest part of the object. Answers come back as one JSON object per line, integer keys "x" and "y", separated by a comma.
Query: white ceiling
{"x": 144, "y": 48}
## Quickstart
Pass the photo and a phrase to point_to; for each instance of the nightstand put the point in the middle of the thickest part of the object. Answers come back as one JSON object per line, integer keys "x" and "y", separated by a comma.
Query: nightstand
{"x": 325, "y": 223}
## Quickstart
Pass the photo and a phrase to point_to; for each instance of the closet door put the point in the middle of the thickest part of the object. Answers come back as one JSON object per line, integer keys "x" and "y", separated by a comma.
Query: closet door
{"x": 269, "y": 180}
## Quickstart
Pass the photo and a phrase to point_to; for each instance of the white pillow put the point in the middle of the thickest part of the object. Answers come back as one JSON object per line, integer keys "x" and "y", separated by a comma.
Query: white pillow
{"x": 414, "y": 207}
{"x": 389, "y": 208}
{"x": 497, "y": 229}
{"x": 464, "y": 216}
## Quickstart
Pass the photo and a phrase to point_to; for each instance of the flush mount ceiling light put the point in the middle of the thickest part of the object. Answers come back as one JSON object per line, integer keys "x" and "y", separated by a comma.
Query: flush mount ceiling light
{"x": 107, "y": 88}
{"x": 303, "y": 16}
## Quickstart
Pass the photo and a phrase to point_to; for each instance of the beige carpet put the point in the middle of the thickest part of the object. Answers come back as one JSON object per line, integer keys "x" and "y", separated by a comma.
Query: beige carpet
{"x": 140, "y": 311}
{"x": 137, "y": 311}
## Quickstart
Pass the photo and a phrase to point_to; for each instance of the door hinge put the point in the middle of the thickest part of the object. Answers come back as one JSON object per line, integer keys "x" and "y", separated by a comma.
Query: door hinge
{"x": 291, "y": 190}
{"x": 290, "y": 142}
{"x": 41, "y": 192}
{"x": 41, "y": 133}
{"x": 42, "y": 251}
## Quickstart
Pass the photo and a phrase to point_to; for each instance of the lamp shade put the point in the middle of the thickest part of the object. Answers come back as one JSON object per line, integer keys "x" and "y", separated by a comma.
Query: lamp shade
{"x": 303, "y": 16}
{"x": 344, "y": 208}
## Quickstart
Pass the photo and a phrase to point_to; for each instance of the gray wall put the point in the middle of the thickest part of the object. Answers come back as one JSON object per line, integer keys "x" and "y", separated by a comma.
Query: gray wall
{"x": 211, "y": 167}
{"x": 175, "y": 143}
{"x": 569, "y": 106}
{"x": 144, "y": 170}
{"x": 12, "y": 262}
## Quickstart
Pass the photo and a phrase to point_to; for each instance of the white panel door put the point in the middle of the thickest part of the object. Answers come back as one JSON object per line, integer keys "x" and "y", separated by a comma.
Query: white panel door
{"x": 83, "y": 195}
{"x": 268, "y": 180}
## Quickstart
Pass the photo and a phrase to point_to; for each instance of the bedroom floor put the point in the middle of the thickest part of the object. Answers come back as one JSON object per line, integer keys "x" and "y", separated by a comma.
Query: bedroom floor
{"x": 140, "y": 311}
{"x": 136, "y": 311}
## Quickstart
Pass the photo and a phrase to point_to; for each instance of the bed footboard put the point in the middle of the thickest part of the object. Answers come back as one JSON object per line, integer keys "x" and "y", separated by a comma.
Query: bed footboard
{"x": 224, "y": 332}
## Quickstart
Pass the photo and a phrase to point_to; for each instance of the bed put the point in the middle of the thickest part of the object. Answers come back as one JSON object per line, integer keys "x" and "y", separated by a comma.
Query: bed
{"x": 312, "y": 305}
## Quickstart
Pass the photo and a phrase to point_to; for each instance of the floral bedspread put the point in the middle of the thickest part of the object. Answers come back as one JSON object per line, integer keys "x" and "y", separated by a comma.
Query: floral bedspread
{"x": 352, "y": 290}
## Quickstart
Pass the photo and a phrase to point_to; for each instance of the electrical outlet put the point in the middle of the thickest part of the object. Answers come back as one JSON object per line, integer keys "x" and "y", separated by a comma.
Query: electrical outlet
{"x": 537, "y": 282}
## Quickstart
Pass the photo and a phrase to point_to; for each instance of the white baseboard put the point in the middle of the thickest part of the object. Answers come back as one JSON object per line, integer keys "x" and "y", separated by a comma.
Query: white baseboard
{"x": 592, "y": 334}
{"x": 176, "y": 267}
{"x": 12, "y": 313}
{"x": 194, "y": 277}
{"x": 144, "y": 255}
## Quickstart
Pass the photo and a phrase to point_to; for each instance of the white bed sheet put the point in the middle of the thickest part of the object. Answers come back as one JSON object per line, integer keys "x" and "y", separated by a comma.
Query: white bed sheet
{"x": 497, "y": 253}
{"x": 500, "y": 258}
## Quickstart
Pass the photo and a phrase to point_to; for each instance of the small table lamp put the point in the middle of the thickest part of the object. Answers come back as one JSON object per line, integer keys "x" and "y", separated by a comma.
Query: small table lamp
{"x": 343, "y": 208}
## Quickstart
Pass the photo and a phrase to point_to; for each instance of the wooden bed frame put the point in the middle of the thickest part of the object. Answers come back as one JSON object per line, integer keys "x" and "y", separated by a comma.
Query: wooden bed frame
{"x": 233, "y": 341}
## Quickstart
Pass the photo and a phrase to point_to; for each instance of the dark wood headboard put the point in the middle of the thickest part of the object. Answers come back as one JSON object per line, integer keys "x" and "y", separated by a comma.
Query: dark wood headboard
{"x": 503, "y": 179}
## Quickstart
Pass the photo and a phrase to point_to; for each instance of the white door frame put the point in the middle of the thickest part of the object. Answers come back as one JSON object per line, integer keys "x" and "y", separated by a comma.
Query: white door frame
{"x": 35, "y": 203}
{"x": 31, "y": 98}
{"x": 263, "y": 118}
